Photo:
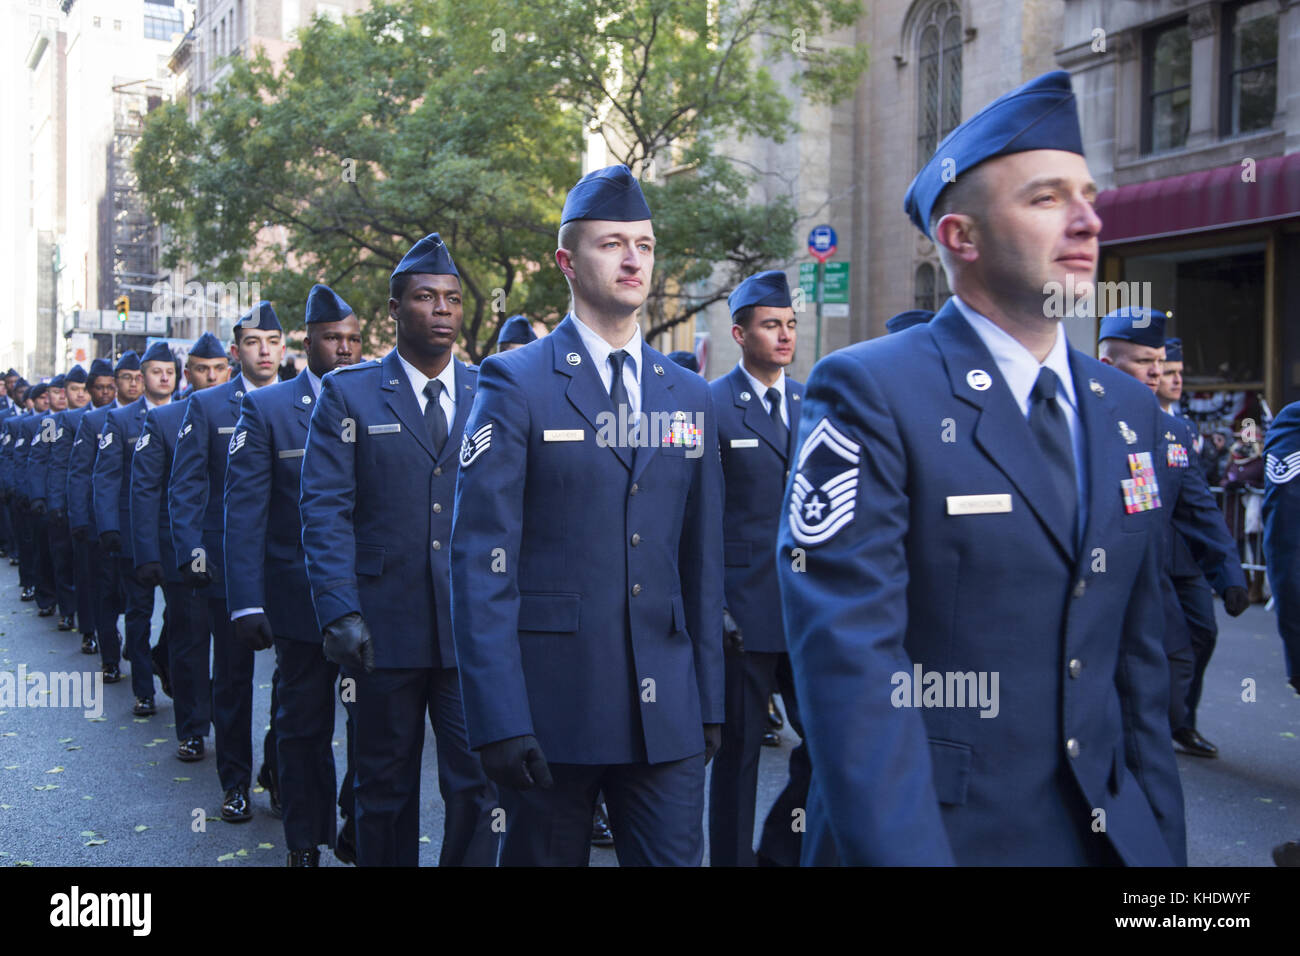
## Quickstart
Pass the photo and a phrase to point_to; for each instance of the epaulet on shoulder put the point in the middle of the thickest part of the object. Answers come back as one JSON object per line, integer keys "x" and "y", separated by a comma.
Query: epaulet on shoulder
{"x": 471, "y": 367}
{"x": 371, "y": 363}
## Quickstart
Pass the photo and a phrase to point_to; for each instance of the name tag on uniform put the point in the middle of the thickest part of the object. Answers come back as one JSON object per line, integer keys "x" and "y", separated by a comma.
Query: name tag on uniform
{"x": 293, "y": 453}
{"x": 383, "y": 429}
{"x": 227, "y": 430}
{"x": 562, "y": 434}
{"x": 744, "y": 443}
{"x": 979, "y": 504}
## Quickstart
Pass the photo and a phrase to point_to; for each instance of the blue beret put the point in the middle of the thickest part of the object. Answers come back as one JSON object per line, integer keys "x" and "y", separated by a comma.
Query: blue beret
{"x": 37, "y": 390}
{"x": 1173, "y": 350}
{"x": 516, "y": 330}
{"x": 129, "y": 362}
{"x": 76, "y": 375}
{"x": 59, "y": 381}
{"x": 611, "y": 194}
{"x": 261, "y": 318}
{"x": 326, "y": 305}
{"x": 1134, "y": 324}
{"x": 207, "y": 346}
{"x": 685, "y": 359}
{"x": 100, "y": 367}
{"x": 1041, "y": 114}
{"x": 905, "y": 320}
{"x": 158, "y": 352}
{"x": 429, "y": 256}
{"x": 763, "y": 288}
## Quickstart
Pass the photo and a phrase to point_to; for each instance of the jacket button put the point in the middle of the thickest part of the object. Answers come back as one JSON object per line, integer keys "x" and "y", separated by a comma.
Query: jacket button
{"x": 437, "y": 546}
{"x": 437, "y": 470}
{"x": 1072, "y": 747}
{"x": 1080, "y": 587}
{"x": 636, "y": 539}
{"x": 1076, "y": 667}
{"x": 634, "y": 489}
{"x": 437, "y": 508}
{"x": 636, "y": 589}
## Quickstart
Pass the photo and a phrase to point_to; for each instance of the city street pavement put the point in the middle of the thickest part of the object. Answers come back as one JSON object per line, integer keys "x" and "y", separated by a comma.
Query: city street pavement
{"x": 76, "y": 791}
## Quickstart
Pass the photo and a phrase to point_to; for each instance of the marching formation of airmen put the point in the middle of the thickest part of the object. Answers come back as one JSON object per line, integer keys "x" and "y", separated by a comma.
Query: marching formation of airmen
{"x": 589, "y": 569}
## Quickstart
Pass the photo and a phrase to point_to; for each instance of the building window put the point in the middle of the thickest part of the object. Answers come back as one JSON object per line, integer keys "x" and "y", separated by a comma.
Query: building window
{"x": 931, "y": 290}
{"x": 95, "y": 21}
{"x": 1167, "y": 63}
{"x": 1249, "y": 95}
{"x": 162, "y": 22}
{"x": 117, "y": 24}
{"x": 938, "y": 58}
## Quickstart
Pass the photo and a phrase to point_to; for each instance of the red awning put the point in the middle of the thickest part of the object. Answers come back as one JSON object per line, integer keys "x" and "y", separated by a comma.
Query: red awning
{"x": 1195, "y": 202}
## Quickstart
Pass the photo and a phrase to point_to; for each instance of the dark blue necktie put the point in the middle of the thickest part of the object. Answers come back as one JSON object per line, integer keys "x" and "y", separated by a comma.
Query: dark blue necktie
{"x": 435, "y": 421}
{"x": 1051, "y": 430}
{"x": 774, "y": 409}
{"x": 617, "y": 390}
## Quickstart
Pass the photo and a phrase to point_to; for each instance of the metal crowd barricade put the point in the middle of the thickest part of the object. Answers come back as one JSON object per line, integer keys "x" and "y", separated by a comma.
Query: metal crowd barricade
{"x": 1242, "y": 507}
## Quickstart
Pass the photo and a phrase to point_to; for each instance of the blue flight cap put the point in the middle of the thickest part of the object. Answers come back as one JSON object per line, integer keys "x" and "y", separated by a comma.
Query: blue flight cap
{"x": 37, "y": 390}
{"x": 429, "y": 256}
{"x": 207, "y": 346}
{"x": 516, "y": 330}
{"x": 1041, "y": 114}
{"x": 611, "y": 194}
{"x": 158, "y": 352}
{"x": 76, "y": 375}
{"x": 326, "y": 305}
{"x": 11, "y": 372}
{"x": 685, "y": 359}
{"x": 261, "y": 318}
{"x": 763, "y": 288}
{"x": 1173, "y": 350}
{"x": 1134, "y": 324}
{"x": 59, "y": 381}
{"x": 98, "y": 368}
{"x": 129, "y": 362}
{"x": 905, "y": 320}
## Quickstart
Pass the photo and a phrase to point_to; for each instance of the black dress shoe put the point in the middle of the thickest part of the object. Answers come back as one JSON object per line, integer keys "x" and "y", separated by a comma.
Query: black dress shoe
{"x": 88, "y": 644}
{"x": 190, "y": 749}
{"x": 774, "y": 714}
{"x": 28, "y": 594}
{"x": 66, "y": 623}
{"x": 161, "y": 668}
{"x": 266, "y": 780}
{"x": 303, "y": 858}
{"x": 144, "y": 707}
{"x": 235, "y": 808}
{"x": 112, "y": 674}
{"x": 345, "y": 847}
{"x": 46, "y": 611}
{"x": 771, "y": 738}
{"x": 1193, "y": 743}
{"x": 13, "y": 560}
{"x": 601, "y": 834}
{"x": 1288, "y": 854}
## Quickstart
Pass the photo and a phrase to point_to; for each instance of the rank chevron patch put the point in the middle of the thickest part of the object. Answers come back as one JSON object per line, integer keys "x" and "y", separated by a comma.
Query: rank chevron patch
{"x": 471, "y": 446}
{"x": 1280, "y": 471}
{"x": 824, "y": 493}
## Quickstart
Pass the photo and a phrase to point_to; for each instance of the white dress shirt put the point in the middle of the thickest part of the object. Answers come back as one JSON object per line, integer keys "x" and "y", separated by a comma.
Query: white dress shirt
{"x": 761, "y": 391}
{"x": 447, "y": 400}
{"x": 599, "y": 351}
{"x": 314, "y": 379}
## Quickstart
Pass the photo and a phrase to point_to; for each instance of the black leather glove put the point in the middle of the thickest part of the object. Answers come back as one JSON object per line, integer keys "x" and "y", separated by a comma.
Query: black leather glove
{"x": 1236, "y": 600}
{"x": 58, "y": 517}
{"x": 733, "y": 642}
{"x": 348, "y": 644}
{"x": 38, "y": 506}
{"x": 517, "y": 763}
{"x": 80, "y": 534}
{"x": 150, "y": 574}
{"x": 712, "y": 741}
{"x": 253, "y": 630}
{"x": 192, "y": 578}
{"x": 110, "y": 542}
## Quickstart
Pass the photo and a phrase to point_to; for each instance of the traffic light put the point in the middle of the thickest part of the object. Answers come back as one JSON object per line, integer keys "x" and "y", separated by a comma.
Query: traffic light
{"x": 123, "y": 304}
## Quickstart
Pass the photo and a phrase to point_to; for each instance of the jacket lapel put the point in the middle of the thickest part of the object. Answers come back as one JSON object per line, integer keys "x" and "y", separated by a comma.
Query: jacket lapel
{"x": 465, "y": 382}
{"x": 400, "y": 398}
{"x": 1099, "y": 419}
{"x": 656, "y": 396}
{"x": 304, "y": 401}
{"x": 794, "y": 410}
{"x": 754, "y": 415}
{"x": 1001, "y": 431}
{"x": 585, "y": 391}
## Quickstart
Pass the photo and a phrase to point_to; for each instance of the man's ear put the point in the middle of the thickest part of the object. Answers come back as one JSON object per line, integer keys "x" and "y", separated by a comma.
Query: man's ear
{"x": 956, "y": 233}
{"x": 738, "y": 336}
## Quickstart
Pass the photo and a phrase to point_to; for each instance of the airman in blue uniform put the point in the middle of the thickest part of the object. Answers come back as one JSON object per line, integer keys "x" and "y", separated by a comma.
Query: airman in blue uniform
{"x": 155, "y": 558}
{"x": 756, "y": 404}
{"x": 270, "y": 599}
{"x": 516, "y": 332}
{"x": 587, "y": 563}
{"x": 378, "y": 483}
{"x": 195, "y": 501}
{"x": 970, "y": 559}
{"x": 111, "y": 500}
{"x": 31, "y": 551}
{"x": 101, "y": 389}
{"x": 51, "y": 486}
{"x": 1197, "y": 542}
{"x": 45, "y": 432}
